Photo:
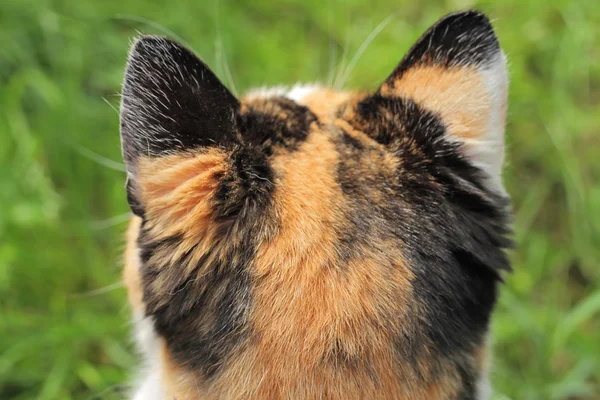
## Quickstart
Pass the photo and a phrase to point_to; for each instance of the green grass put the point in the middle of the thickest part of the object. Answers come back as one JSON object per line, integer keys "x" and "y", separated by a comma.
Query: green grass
{"x": 63, "y": 320}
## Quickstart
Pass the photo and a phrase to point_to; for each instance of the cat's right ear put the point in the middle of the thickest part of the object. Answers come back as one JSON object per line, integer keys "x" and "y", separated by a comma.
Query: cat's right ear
{"x": 172, "y": 103}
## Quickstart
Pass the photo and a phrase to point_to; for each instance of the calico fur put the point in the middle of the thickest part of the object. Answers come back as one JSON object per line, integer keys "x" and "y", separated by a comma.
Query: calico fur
{"x": 313, "y": 243}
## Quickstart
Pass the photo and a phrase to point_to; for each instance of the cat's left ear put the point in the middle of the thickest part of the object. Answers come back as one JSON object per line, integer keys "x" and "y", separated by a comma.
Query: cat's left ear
{"x": 172, "y": 102}
{"x": 458, "y": 71}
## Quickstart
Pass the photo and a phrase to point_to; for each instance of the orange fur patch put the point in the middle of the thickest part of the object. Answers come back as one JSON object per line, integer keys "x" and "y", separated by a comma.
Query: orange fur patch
{"x": 177, "y": 191}
{"x": 325, "y": 102}
{"x": 458, "y": 95}
{"x": 131, "y": 272}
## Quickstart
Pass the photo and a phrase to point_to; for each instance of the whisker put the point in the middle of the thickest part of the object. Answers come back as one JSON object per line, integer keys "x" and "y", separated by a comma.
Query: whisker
{"x": 228, "y": 76}
{"x": 99, "y": 291}
{"x": 107, "y": 162}
{"x": 110, "y": 105}
{"x": 117, "y": 387}
{"x": 223, "y": 66}
{"x": 341, "y": 67}
{"x": 110, "y": 222}
{"x": 221, "y": 55}
{"x": 332, "y": 50}
{"x": 153, "y": 24}
{"x": 362, "y": 49}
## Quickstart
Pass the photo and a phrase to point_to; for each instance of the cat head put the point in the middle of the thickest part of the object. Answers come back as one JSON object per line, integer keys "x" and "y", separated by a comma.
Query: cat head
{"x": 242, "y": 204}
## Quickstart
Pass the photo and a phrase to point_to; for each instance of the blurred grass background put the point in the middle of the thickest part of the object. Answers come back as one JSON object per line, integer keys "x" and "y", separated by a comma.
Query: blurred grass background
{"x": 63, "y": 318}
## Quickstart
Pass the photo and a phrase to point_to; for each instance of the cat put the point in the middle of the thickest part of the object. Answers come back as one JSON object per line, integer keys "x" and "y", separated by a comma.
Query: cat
{"x": 312, "y": 243}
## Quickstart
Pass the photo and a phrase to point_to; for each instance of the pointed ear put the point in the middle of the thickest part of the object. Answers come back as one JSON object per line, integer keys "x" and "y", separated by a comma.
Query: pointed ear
{"x": 458, "y": 71}
{"x": 171, "y": 102}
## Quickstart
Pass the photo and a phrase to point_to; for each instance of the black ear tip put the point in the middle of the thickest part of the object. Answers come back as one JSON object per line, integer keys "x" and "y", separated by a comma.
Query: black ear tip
{"x": 153, "y": 41}
{"x": 149, "y": 40}
{"x": 462, "y": 38}
{"x": 146, "y": 42}
{"x": 474, "y": 16}
{"x": 466, "y": 21}
{"x": 150, "y": 45}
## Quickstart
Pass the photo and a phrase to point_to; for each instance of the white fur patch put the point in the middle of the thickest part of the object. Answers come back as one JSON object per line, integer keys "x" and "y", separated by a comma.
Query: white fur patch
{"x": 484, "y": 388}
{"x": 149, "y": 386}
{"x": 296, "y": 93}
{"x": 487, "y": 153}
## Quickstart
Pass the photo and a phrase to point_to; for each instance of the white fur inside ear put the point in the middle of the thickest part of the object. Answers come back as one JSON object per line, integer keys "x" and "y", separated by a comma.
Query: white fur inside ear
{"x": 487, "y": 152}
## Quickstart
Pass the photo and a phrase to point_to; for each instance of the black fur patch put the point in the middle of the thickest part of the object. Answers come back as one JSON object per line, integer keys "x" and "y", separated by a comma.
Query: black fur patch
{"x": 136, "y": 207}
{"x": 203, "y": 320}
{"x": 276, "y": 123}
{"x": 250, "y": 180}
{"x": 453, "y": 229}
